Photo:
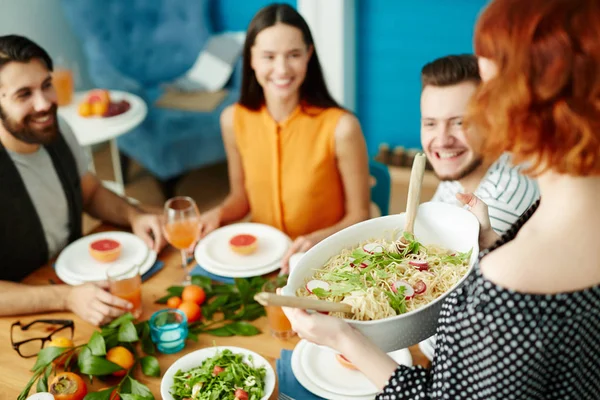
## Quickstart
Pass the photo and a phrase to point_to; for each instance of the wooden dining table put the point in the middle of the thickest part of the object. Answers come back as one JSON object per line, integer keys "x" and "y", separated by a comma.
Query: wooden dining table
{"x": 15, "y": 371}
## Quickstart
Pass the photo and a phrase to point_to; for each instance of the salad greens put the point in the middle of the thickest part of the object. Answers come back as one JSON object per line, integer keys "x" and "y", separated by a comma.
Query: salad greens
{"x": 225, "y": 376}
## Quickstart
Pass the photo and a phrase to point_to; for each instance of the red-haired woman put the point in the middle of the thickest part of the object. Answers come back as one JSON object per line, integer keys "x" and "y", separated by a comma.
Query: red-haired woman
{"x": 526, "y": 324}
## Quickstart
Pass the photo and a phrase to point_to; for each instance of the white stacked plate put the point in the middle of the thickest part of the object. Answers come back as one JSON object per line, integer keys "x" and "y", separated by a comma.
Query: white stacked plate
{"x": 317, "y": 369}
{"x": 75, "y": 265}
{"x": 214, "y": 254}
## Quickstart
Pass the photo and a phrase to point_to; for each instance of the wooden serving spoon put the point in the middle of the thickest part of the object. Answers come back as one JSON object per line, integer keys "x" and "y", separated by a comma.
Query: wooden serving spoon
{"x": 414, "y": 197}
{"x": 305, "y": 303}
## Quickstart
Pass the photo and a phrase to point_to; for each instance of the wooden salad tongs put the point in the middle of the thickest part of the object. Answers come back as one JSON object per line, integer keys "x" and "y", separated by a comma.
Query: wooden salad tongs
{"x": 305, "y": 303}
{"x": 414, "y": 197}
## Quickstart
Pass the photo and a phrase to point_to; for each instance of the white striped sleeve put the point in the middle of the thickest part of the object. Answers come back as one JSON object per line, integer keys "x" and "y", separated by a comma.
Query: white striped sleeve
{"x": 508, "y": 195}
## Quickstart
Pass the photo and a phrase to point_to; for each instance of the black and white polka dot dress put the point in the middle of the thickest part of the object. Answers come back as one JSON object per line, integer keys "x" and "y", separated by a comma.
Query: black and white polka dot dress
{"x": 495, "y": 343}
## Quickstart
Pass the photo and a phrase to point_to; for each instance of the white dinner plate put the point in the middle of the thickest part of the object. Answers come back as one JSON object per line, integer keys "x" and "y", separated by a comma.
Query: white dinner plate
{"x": 76, "y": 265}
{"x": 194, "y": 359}
{"x": 322, "y": 368}
{"x": 302, "y": 377}
{"x": 67, "y": 278}
{"x": 239, "y": 272}
{"x": 214, "y": 248}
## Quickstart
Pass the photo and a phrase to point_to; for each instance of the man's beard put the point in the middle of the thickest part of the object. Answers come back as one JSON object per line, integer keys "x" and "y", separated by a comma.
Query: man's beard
{"x": 25, "y": 133}
{"x": 472, "y": 166}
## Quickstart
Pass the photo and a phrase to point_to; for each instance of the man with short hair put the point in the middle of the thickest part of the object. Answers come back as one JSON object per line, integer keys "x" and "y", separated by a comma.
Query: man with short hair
{"x": 448, "y": 83}
{"x": 447, "y": 86}
{"x": 45, "y": 188}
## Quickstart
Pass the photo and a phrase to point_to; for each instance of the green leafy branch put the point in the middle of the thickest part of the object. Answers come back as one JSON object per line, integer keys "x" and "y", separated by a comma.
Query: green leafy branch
{"x": 91, "y": 360}
{"x": 227, "y": 309}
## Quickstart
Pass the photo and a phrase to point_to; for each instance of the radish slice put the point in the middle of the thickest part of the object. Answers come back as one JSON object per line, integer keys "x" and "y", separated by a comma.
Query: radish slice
{"x": 420, "y": 287}
{"x": 315, "y": 283}
{"x": 409, "y": 292}
{"x": 351, "y": 260}
{"x": 373, "y": 248}
{"x": 420, "y": 265}
{"x": 365, "y": 264}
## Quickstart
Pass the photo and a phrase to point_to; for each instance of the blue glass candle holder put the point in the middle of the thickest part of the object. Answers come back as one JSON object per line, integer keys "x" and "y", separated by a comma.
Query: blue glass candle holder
{"x": 169, "y": 329}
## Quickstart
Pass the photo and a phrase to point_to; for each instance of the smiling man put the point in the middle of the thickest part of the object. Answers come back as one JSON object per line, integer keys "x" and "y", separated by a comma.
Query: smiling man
{"x": 45, "y": 188}
{"x": 447, "y": 86}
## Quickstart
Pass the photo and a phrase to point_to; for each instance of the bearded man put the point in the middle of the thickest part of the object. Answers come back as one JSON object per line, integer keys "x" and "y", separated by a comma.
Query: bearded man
{"x": 45, "y": 187}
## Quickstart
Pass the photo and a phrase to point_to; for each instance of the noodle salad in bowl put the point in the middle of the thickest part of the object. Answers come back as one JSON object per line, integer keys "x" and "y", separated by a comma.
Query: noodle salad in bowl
{"x": 396, "y": 292}
{"x": 381, "y": 279}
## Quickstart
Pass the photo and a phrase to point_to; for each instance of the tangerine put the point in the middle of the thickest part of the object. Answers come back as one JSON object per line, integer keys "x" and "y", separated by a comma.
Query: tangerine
{"x": 99, "y": 108}
{"x": 194, "y": 294}
{"x": 85, "y": 109}
{"x": 122, "y": 357}
{"x": 173, "y": 302}
{"x": 59, "y": 341}
{"x": 192, "y": 311}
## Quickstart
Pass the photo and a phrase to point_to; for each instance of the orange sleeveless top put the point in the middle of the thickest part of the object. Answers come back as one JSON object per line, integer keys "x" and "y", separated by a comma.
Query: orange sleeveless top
{"x": 290, "y": 168}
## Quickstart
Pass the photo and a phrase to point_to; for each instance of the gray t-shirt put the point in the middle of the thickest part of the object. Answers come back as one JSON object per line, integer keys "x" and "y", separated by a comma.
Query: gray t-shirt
{"x": 45, "y": 190}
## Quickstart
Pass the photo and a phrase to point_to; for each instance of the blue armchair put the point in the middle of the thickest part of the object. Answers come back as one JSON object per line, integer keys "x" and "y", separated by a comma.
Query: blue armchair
{"x": 138, "y": 46}
{"x": 381, "y": 191}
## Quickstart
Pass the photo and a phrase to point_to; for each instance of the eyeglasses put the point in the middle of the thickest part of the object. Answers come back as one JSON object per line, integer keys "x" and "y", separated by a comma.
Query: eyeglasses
{"x": 30, "y": 347}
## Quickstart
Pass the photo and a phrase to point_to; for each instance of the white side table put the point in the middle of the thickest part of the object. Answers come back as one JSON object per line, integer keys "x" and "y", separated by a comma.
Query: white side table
{"x": 93, "y": 130}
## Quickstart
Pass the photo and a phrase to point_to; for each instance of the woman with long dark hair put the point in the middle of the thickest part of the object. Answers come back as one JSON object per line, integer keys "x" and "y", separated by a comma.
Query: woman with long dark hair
{"x": 297, "y": 160}
{"x": 526, "y": 322}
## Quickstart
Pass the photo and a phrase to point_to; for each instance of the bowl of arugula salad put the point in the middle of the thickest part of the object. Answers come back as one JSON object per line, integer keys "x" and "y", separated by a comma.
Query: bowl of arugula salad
{"x": 220, "y": 372}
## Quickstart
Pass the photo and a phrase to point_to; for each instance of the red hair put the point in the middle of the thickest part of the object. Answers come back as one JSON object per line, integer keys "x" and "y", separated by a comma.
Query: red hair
{"x": 543, "y": 106}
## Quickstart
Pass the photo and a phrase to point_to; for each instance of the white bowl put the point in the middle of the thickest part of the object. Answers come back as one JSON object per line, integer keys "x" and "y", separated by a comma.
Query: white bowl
{"x": 437, "y": 223}
{"x": 194, "y": 359}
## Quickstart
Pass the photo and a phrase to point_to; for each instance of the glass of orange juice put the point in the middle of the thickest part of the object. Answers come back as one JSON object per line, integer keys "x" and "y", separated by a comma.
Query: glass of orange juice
{"x": 125, "y": 282}
{"x": 62, "y": 79}
{"x": 182, "y": 227}
{"x": 280, "y": 326}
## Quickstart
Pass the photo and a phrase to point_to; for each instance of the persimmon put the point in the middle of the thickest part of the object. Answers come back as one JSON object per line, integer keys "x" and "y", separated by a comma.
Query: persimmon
{"x": 67, "y": 386}
{"x": 192, "y": 311}
{"x": 194, "y": 294}
{"x": 122, "y": 357}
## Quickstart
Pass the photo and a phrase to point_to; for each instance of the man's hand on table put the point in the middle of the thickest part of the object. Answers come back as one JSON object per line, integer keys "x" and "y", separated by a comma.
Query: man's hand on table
{"x": 94, "y": 304}
{"x": 148, "y": 227}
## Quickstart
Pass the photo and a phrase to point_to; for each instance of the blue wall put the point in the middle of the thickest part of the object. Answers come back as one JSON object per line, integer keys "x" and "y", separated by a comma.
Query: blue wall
{"x": 235, "y": 15}
{"x": 395, "y": 39}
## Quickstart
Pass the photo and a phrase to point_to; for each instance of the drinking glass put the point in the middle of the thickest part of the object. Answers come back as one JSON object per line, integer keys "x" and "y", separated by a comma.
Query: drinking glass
{"x": 168, "y": 330}
{"x": 280, "y": 326}
{"x": 181, "y": 228}
{"x": 62, "y": 79}
{"x": 126, "y": 282}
